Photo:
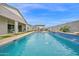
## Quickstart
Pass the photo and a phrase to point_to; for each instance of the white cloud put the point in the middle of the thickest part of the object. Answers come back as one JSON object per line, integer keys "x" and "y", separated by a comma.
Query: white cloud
{"x": 50, "y": 7}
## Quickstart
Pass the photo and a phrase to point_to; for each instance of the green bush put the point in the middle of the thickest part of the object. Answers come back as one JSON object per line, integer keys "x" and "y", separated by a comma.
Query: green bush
{"x": 65, "y": 28}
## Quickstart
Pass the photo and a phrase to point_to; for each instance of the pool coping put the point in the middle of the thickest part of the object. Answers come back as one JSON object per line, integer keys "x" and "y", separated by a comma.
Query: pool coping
{"x": 10, "y": 39}
{"x": 67, "y": 38}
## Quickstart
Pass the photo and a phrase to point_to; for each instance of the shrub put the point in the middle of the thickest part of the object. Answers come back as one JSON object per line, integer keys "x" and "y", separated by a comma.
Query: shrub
{"x": 65, "y": 28}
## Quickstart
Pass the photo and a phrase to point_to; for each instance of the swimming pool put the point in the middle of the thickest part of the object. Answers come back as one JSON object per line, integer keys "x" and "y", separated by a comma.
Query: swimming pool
{"x": 40, "y": 44}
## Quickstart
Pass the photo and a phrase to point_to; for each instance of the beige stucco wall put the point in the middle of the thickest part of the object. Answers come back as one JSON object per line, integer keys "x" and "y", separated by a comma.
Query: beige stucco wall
{"x": 3, "y": 26}
{"x": 74, "y": 26}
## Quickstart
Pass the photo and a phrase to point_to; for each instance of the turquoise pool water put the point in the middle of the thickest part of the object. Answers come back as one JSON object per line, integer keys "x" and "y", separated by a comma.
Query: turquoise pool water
{"x": 40, "y": 44}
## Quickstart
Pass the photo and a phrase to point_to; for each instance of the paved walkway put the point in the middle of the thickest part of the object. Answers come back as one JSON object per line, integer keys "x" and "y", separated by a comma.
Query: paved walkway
{"x": 10, "y": 39}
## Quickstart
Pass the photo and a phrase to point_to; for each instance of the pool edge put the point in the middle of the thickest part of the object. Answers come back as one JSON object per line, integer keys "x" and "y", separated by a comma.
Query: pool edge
{"x": 10, "y": 39}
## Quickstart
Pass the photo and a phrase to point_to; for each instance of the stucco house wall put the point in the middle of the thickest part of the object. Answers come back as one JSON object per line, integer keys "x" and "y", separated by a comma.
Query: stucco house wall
{"x": 11, "y": 15}
{"x": 3, "y": 25}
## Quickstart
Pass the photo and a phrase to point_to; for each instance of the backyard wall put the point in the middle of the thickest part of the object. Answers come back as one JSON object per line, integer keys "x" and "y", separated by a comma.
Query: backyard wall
{"x": 74, "y": 26}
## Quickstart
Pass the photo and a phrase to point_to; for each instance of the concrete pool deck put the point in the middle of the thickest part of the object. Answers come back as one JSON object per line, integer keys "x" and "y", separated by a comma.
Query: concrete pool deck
{"x": 10, "y": 39}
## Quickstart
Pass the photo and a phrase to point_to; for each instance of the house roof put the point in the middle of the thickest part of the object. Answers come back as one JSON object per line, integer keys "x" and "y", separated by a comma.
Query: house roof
{"x": 11, "y": 13}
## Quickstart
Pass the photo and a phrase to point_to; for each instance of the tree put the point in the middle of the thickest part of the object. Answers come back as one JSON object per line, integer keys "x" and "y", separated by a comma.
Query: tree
{"x": 65, "y": 28}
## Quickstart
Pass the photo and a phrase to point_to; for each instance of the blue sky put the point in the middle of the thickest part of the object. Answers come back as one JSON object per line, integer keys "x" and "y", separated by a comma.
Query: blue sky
{"x": 49, "y": 14}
